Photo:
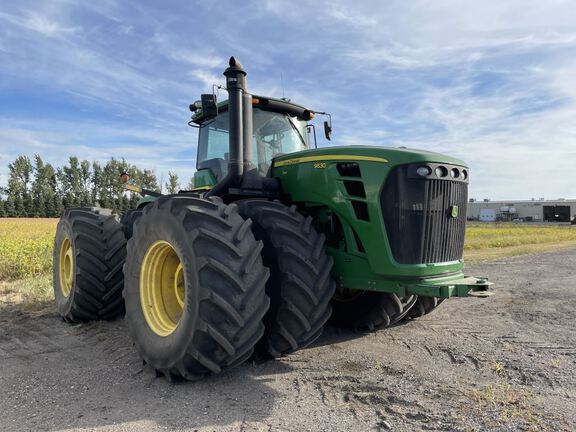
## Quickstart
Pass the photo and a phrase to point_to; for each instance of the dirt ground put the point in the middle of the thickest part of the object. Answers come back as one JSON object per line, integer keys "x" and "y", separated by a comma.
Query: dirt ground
{"x": 503, "y": 363}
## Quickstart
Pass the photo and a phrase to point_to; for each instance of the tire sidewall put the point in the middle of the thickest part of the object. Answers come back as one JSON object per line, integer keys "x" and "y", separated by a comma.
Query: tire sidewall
{"x": 287, "y": 235}
{"x": 63, "y": 231}
{"x": 160, "y": 224}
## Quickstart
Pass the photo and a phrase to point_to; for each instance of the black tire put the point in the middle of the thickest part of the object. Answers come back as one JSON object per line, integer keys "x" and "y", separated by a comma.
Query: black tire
{"x": 300, "y": 286}
{"x": 423, "y": 306}
{"x": 98, "y": 252}
{"x": 224, "y": 278}
{"x": 128, "y": 219}
{"x": 368, "y": 310}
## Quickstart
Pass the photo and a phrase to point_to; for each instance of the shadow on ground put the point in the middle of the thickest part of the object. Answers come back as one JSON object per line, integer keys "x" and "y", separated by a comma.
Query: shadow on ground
{"x": 55, "y": 376}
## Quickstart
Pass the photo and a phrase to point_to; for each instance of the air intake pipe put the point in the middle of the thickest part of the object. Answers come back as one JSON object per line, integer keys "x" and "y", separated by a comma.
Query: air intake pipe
{"x": 239, "y": 129}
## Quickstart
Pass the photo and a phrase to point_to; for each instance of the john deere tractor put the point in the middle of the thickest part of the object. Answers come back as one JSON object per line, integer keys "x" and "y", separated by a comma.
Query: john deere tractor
{"x": 276, "y": 239}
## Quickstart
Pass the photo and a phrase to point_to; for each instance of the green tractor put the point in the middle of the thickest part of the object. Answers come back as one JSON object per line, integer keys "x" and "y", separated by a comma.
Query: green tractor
{"x": 276, "y": 239}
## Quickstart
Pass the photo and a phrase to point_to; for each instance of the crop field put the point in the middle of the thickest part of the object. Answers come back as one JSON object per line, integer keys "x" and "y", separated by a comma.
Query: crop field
{"x": 499, "y": 240}
{"x": 26, "y": 244}
{"x": 26, "y": 247}
{"x": 26, "y": 252}
{"x": 26, "y": 262}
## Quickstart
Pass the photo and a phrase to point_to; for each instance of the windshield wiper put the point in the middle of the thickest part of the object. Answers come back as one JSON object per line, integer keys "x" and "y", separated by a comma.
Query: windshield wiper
{"x": 296, "y": 129}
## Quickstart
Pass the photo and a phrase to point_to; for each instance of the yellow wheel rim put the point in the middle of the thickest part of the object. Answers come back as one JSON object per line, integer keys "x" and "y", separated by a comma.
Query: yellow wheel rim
{"x": 66, "y": 267}
{"x": 162, "y": 292}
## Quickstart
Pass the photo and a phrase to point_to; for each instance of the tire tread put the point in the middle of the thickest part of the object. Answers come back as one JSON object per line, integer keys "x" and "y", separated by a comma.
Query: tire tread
{"x": 231, "y": 301}
{"x": 300, "y": 286}
{"x": 100, "y": 252}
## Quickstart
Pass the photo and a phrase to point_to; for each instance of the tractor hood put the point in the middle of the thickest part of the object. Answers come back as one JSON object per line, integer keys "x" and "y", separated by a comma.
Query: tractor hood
{"x": 351, "y": 182}
{"x": 389, "y": 155}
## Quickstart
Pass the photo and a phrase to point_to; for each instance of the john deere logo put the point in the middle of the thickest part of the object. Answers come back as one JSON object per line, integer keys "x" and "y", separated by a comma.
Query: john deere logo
{"x": 454, "y": 211}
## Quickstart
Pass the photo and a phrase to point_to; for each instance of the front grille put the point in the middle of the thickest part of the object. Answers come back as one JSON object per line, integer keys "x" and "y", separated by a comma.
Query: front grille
{"x": 425, "y": 218}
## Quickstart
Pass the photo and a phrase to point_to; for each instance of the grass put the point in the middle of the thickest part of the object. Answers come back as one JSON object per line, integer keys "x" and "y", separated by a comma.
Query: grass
{"x": 498, "y": 368}
{"x": 32, "y": 294}
{"x": 26, "y": 251}
{"x": 499, "y": 404}
{"x": 502, "y": 405}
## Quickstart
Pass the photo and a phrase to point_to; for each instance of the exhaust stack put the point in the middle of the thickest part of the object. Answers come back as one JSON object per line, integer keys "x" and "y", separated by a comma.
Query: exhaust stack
{"x": 236, "y": 86}
{"x": 240, "y": 128}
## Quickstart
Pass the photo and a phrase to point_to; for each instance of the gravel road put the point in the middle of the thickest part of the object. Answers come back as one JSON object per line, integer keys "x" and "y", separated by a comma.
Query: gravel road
{"x": 503, "y": 363}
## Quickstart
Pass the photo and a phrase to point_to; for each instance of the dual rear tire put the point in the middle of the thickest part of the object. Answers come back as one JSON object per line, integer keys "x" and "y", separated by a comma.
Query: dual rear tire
{"x": 89, "y": 252}
{"x": 300, "y": 287}
{"x": 208, "y": 283}
{"x": 194, "y": 287}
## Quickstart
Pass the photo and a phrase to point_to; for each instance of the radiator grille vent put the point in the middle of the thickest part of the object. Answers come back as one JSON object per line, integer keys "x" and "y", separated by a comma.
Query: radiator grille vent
{"x": 425, "y": 219}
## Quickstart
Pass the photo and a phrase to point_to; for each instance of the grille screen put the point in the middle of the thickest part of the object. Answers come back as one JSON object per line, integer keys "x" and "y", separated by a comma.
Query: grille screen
{"x": 425, "y": 218}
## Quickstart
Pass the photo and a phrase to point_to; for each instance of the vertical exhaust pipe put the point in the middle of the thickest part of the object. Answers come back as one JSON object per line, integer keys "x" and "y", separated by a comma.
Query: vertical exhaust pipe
{"x": 239, "y": 129}
{"x": 236, "y": 86}
{"x": 247, "y": 131}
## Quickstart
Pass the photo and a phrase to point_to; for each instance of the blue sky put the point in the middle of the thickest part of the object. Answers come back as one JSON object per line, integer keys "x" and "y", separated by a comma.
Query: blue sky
{"x": 491, "y": 82}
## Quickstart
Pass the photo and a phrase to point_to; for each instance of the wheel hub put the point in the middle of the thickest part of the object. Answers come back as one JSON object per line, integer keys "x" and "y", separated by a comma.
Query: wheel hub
{"x": 66, "y": 267}
{"x": 162, "y": 288}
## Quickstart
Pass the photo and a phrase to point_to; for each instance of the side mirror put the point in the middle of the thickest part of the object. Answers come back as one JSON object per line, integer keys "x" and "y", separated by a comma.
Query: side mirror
{"x": 209, "y": 105}
{"x": 327, "y": 131}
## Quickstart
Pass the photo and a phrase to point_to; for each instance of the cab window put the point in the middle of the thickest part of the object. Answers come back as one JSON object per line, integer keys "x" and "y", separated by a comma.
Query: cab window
{"x": 274, "y": 134}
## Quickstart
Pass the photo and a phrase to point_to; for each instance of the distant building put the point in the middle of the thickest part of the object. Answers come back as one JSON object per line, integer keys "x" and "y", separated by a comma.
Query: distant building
{"x": 560, "y": 210}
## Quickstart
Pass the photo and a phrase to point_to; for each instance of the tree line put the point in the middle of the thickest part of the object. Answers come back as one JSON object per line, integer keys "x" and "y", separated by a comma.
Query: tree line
{"x": 38, "y": 189}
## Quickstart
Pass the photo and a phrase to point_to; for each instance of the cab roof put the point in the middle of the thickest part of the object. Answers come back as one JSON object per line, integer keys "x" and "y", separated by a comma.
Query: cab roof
{"x": 265, "y": 103}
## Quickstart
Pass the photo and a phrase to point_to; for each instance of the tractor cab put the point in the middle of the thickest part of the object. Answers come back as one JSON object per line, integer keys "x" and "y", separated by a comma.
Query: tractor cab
{"x": 279, "y": 127}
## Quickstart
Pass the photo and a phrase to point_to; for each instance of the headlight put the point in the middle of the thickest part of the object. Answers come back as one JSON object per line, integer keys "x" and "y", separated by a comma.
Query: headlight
{"x": 464, "y": 174}
{"x": 424, "y": 171}
{"x": 441, "y": 171}
{"x": 454, "y": 173}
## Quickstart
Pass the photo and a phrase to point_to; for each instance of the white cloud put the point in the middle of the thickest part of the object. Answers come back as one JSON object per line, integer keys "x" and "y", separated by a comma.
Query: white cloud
{"x": 47, "y": 27}
{"x": 194, "y": 58}
{"x": 38, "y": 23}
{"x": 206, "y": 78}
{"x": 348, "y": 15}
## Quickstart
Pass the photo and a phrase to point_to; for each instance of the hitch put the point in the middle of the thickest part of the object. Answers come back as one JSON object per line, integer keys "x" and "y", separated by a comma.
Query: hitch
{"x": 467, "y": 286}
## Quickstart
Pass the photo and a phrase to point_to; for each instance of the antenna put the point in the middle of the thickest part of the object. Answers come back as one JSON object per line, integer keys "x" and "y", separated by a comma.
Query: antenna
{"x": 282, "y": 81}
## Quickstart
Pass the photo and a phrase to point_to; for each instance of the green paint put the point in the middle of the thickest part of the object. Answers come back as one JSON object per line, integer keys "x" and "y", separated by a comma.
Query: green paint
{"x": 319, "y": 188}
{"x": 204, "y": 178}
{"x": 395, "y": 156}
